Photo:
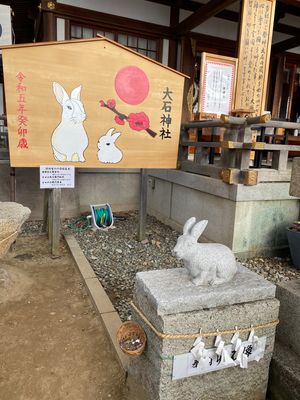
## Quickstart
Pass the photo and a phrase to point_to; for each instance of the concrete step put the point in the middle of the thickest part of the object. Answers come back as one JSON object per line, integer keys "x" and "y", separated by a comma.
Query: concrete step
{"x": 288, "y": 330}
{"x": 284, "y": 378}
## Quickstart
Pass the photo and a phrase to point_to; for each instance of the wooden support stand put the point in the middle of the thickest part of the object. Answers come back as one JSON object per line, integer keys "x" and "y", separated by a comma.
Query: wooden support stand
{"x": 234, "y": 165}
{"x": 143, "y": 204}
{"x": 51, "y": 223}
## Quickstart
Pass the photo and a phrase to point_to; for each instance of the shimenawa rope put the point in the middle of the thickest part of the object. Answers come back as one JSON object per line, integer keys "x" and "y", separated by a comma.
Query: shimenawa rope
{"x": 203, "y": 334}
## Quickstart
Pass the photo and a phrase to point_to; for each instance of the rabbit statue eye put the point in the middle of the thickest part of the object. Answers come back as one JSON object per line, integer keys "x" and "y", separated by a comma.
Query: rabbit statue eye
{"x": 107, "y": 144}
{"x": 69, "y": 107}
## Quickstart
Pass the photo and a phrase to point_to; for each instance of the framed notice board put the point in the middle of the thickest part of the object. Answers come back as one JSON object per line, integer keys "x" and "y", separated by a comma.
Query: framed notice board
{"x": 217, "y": 85}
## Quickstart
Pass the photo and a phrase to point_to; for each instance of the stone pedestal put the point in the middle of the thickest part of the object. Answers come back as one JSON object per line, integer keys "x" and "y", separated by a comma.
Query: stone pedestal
{"x": 174, "y": 305}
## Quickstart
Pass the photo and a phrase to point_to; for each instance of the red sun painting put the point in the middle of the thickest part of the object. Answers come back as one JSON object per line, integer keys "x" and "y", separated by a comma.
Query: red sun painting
{"x": 132, "y": 85}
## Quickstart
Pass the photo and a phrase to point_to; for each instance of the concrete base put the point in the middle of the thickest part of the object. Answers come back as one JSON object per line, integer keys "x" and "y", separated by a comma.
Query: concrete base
{"x": 253, "y": 218}
{"x": 285, "y": 367}
{"x": 173, "y": 305}
{"x": 284, "y": 382}
{"x": 288, "y": 332}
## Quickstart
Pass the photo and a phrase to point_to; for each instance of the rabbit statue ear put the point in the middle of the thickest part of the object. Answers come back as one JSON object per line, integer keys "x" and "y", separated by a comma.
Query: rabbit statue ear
{"x": 198, "y": 228}
{"x": 76, "y": 93}
{"x": 60, "y": 93}
{"x": 115, "y": 136}
{"x": 188, "y": 225}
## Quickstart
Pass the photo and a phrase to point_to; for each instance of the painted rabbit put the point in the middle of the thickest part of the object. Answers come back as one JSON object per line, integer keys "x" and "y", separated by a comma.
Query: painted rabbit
{"x": 108, "y": 151}
{"x": 69, "y": 139}
{"x": 207, "y": 263}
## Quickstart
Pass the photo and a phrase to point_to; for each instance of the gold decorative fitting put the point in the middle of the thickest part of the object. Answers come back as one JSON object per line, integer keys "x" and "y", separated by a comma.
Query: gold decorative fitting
{"x": 51, "y": 5}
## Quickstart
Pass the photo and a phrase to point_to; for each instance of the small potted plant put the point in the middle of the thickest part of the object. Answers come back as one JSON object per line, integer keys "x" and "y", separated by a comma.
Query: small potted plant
{"x": 293, "y": 235}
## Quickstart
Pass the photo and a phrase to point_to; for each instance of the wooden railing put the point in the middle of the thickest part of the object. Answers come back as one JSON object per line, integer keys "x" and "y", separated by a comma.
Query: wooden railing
{"x": 242, "y": 144}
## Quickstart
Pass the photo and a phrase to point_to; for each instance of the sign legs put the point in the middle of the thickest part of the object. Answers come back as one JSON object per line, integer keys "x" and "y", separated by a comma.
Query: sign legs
{"x": 51, "y": 218}
{"x": 143, "y": 204}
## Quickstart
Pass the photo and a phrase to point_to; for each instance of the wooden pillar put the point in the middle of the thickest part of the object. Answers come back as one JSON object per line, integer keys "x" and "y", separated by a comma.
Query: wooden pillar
{"x": 49, "y": 20}
{"x": 143, "y": 204}
{"x": 278, "y": 87}
{"x": 54, "y": 201}
{"x": 173, "y": 42}
{"x": 13, "y": 184}
{"x": 188, "y": 68}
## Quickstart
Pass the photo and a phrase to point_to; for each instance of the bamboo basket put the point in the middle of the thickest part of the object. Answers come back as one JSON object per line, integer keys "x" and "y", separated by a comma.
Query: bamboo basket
{"x": 131, "y": 330}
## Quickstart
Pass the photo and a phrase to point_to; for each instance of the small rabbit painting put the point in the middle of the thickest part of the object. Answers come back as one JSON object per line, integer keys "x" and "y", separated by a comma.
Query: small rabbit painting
{"x": 108, "y": 151}
{"x": 207, "y": 263}
{"x": 69, "y": 139}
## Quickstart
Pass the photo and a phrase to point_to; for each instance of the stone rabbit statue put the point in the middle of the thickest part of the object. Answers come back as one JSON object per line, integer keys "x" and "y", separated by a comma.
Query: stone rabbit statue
{"x": 207, "y": 263}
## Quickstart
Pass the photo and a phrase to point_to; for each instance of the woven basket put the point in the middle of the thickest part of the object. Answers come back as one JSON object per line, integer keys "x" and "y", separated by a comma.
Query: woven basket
{"x": 131, "y": 330}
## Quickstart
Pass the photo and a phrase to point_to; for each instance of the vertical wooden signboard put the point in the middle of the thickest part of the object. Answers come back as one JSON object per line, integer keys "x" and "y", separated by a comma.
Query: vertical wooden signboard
{"x": 254, "y": 54}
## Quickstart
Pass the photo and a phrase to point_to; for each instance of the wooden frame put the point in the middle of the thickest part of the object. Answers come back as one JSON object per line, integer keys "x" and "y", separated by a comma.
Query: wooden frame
{"x": 224, "y": 61}
{"x": 59, "y": 114}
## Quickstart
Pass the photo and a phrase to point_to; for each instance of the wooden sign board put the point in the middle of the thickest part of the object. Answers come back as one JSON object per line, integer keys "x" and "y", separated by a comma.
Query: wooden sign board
{"x": 254, "y": 53}
{"x": 217, "y": 85}
{"x": 92, "y": 104}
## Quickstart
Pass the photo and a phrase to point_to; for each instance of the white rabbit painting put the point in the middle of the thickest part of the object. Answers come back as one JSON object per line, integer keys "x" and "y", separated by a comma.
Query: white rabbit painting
{"x": 108, "y": 152}
{"x": 69, "y": 140}
{"x": 207, "y": 263}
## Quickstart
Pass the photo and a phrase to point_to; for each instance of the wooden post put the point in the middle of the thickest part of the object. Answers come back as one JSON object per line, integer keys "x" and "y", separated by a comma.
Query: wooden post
{"x": 143, "y": 204}
{"x": 12, "y": 184}
{"x": 228, "y": 157}
{"x": 45, "y": 210}
{"x": 280, "y": 159}
{"x": 54, "y": 220}
{"x": 243, "y": 156}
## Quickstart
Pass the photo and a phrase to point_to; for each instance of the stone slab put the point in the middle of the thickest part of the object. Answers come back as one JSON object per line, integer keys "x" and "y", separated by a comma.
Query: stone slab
{"x": 101, "y": 301}
{"x": 170, "y": 291}
{"x": 288, "y": 332}
{"x": 295, "y": 178}
{"x": 284, "y": 379}
{"x": 82, "y": 263}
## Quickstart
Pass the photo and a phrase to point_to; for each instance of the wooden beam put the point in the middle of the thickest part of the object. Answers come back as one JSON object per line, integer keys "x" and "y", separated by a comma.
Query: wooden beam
{"x": 291, "y": 6}
{"x": 173, "y": 44}
{"x": 294, "y": 3}
{"x": 287, "y": 29}
{"x": 286, "y": 45}
{"x": 204, "y": 12}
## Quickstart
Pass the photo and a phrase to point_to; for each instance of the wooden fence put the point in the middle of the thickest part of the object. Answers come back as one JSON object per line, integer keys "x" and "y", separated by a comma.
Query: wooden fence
{"x": 240, "y": 151}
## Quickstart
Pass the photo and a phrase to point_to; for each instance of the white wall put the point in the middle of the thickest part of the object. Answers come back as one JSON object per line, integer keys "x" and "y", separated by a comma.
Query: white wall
{"x": 214, "y": 27}
{"x": 135, "y": 9}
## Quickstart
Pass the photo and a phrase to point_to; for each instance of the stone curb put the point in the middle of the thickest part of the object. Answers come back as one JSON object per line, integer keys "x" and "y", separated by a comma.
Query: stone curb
{"x": 109, "y": 316}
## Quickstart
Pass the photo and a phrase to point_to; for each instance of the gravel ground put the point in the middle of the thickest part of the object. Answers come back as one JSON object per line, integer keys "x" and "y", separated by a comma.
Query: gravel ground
{"x": 116, "y": 256}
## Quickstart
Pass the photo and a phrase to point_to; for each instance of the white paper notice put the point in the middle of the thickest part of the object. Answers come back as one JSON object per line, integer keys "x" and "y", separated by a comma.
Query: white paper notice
{"x": 185, "y": 365}
{"x": 56, "y": 176}
{"x": 218, "y": 88}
